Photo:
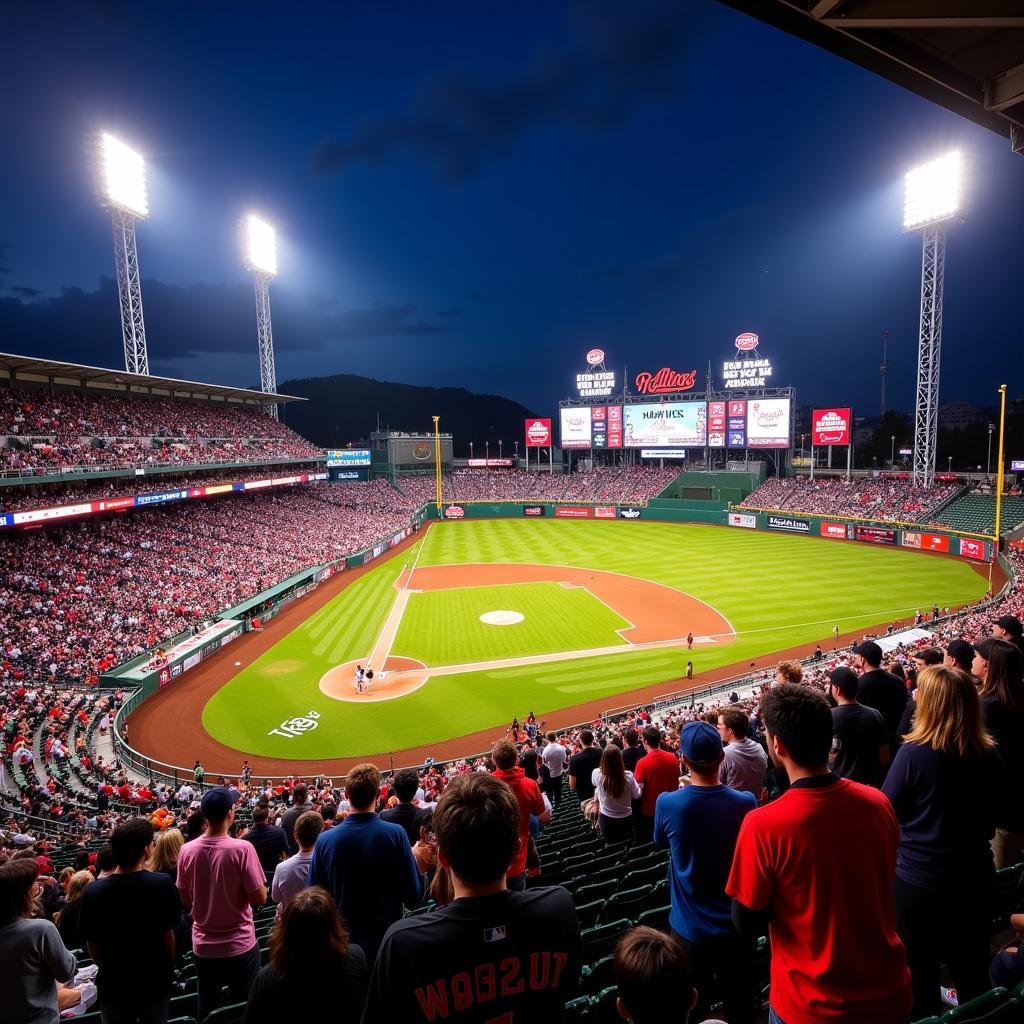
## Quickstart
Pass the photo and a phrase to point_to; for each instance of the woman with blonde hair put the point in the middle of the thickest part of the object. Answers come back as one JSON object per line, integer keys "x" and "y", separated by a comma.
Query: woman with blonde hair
{"x": 166, "y": 848}
{"x": 69, "y": 920}
{"x": 946, "y": 786}
{"x": 615, "y": 790}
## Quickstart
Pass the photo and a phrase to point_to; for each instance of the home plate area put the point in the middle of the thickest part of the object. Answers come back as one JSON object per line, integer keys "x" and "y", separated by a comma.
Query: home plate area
{"x": 501, "y": 618}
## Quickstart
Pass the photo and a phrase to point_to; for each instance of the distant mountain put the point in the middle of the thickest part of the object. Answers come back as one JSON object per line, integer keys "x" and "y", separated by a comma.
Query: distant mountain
{"x": 345, "y": 408}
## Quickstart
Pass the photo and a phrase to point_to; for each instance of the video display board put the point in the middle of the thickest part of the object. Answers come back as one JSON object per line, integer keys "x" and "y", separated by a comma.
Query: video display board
{"x": 348, "y": 457}
{"x": 768, "y": 423}
{"x": 672, "y": 425}
{"x": 596, "y": 426}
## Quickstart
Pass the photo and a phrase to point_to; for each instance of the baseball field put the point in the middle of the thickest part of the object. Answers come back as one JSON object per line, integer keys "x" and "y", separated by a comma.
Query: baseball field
{"x": 481, "y": 620}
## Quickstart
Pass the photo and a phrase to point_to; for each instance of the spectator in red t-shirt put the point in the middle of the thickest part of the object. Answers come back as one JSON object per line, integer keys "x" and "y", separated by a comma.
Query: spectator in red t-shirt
{"x": 657, "y": 772}
{"x": 816, "y": 868}
{"x": 530, "y": 801}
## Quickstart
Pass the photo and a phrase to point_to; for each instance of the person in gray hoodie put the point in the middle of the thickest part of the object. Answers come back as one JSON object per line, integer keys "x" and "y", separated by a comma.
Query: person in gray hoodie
{"x": 745, "y": 761}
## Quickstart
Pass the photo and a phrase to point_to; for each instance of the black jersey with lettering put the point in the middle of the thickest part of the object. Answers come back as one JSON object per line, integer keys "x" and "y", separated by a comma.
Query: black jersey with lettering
{"x": 503, "y": 958}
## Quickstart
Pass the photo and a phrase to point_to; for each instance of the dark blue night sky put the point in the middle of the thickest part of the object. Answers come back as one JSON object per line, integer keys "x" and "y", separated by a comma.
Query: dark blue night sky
{"x": 476, "y": 194}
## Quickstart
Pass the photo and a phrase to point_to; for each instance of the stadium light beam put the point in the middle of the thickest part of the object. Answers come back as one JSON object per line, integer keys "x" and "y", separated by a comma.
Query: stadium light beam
{"x": 260, "y": 246}
{"x": 931, "y": 198}
{"x": 122, "y": 186}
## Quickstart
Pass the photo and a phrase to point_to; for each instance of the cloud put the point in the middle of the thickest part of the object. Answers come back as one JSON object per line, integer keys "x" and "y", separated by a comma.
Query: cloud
{"x": 190, "y": 321}
{"x": 620, "y": 56}
{"x": 23, "y": 291}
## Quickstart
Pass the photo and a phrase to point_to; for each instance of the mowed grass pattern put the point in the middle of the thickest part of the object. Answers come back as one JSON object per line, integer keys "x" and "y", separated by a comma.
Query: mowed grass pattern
{"x": 776, "y": 591}
{"x": 443, "y": 627}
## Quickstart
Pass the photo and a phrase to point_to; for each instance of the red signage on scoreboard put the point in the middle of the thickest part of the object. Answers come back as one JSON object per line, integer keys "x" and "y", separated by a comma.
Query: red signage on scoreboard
{"x": 573, "y": 512}
{"x": 538, "y": 433}
{"x": 665, "y": 381}
{"x": 614, "y": 426}
{"x": 831, "y": 426}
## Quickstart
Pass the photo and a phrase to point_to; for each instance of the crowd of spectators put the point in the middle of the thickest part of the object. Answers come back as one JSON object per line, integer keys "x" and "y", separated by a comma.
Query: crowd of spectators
{"x": 612, "y": 484}
{"x": 79, "y": 599}
{"x": 888, "y": 499}
{"x": 42, "y": 432}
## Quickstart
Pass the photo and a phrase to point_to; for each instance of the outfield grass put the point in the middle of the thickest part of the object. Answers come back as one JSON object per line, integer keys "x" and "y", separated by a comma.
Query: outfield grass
{"x": 443, "y": 627}
{"x": 776, "y": 591}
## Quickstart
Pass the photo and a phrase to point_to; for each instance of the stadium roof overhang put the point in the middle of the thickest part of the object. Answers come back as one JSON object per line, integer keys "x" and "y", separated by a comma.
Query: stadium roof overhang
{"x": 26, "y": 369}
{"x": 965, "y": 55}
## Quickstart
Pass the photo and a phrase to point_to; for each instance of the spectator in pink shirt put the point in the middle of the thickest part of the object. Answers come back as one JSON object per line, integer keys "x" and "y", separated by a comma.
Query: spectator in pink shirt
{"x": 221, "y": 878}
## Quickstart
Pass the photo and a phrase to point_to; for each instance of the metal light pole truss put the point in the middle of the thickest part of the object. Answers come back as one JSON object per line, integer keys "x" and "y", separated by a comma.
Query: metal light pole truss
{"x": 268, "y": 375}
{"x": 129, "y": 291}
{"x": 926, "y": 413}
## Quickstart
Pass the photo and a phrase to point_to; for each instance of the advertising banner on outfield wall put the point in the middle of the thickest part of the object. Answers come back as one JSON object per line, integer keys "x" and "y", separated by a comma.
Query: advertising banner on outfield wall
{"x": 874, "y": 534}
{"x": 573, "y": 512}
{"x": 831, "y": 426}
{"x": 837, "y": 531}
{"x": 925, "y": 541}
{"x": 604, "y": 512}
{"x": 972, "y": 549}
{"x": 789, "y": 523}
{"x": 533, "y": 510}
{"x": 748, "y": 522}
{"x": 629, "y": 513}
{"x": 454, "y": 512}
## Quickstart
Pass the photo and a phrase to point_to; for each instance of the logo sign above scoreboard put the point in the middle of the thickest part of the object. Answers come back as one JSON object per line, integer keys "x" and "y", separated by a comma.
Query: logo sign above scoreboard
{"x": 746, "y": 342}
{"x": 830, "y": 426}
{"x": 595, "y": 384}
{"x": 595, "y": 357}
{"x": 665, "y": 382}
{"x": 746, "y": 373}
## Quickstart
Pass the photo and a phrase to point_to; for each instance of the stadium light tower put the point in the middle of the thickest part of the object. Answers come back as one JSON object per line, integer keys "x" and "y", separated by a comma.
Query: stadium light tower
{"x": 261, "y": 262}
{"x": 122, "y": 185}
{"x": 931, "y": 198}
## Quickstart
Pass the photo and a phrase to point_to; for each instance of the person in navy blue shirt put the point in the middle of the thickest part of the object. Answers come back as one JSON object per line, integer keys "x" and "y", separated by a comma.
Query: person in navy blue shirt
{"x": 699, "y": 824}
{"x": 367, "y": 864}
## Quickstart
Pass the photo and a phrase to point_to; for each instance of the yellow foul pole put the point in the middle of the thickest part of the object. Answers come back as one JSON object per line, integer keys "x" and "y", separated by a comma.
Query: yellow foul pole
{"x": 437, "y": 460}
{"x": 999, "y": 463}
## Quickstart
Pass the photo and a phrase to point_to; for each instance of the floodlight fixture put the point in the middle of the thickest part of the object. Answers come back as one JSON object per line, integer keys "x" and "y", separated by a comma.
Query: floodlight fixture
{"x": 260, "y": 246}
{"x": 122, "y": 177}
{"x": 932, "y": 192}
{"x": 121, "y": 182}
{"x": 932, "y": 197}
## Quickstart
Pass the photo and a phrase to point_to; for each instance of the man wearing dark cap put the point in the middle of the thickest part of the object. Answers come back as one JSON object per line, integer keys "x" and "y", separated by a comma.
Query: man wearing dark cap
{"x": 222, "y": 880}
{"x": 699, "y": 825}
{"x": 1009, "y": 628}
{"x": 881, "y": 690}
{"x": 959, "y": 654}
{"x": 860, "y": 743}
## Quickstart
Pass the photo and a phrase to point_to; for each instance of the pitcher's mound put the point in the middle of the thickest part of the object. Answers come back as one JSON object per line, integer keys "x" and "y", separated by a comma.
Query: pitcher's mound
{"x": 501, "y": 618}
{"x": 400, "y": 676}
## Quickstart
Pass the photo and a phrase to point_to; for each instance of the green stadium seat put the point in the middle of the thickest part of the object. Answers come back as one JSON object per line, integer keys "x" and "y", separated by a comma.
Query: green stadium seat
{"x": 227, "y": 1014}
{"x": 655, "y": 918}
{"x": 978, "y": 1009}
{"x": 628, "y": 903}
{"x": 602, "y": 1007}
{"x": 596, "y": 891}
{"x": 598, "y": 975}
{"x": 588, "y": 913}
{"x": 186, "y": 1005}
{"x": 645, "y": 876}
{"x": 577, "y": 1011}
{"x": 601, "y": 940}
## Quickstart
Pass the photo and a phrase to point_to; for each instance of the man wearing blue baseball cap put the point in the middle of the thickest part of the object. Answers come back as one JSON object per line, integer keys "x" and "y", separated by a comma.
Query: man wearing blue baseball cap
{"x": 699, "y": 824}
